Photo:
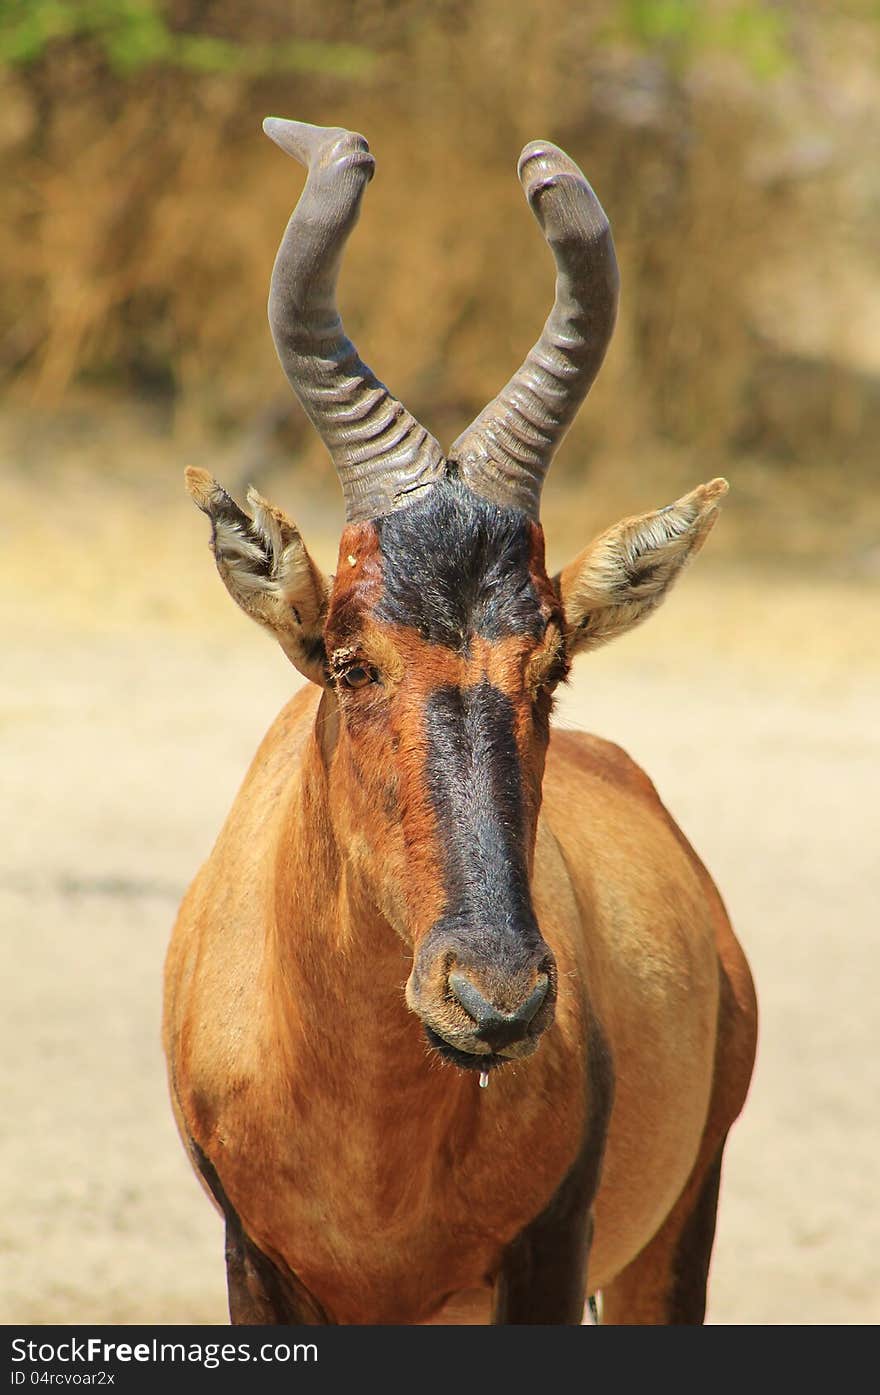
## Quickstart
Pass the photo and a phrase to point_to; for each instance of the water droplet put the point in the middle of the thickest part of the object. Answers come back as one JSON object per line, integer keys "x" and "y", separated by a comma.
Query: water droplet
{"x": 484, "y": 1079}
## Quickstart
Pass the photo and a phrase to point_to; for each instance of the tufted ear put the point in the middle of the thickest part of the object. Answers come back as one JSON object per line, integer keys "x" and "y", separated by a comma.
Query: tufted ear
{"x": 267, "y": 570}
{"x": 624, "y": 574}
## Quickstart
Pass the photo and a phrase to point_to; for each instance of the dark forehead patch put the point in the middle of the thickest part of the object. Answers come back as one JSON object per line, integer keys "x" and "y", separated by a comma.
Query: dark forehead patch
{"x": 454, "y": 565}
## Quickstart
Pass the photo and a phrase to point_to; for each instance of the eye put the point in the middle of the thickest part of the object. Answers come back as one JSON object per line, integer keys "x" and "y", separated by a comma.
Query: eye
{"x": 358, "y": 677}
{"x": 556, "y": 673}
{"x": 551, "y": 670}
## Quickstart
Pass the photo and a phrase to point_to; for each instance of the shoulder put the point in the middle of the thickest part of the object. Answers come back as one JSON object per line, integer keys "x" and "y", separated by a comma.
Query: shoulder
{"x": 579, "y": 752}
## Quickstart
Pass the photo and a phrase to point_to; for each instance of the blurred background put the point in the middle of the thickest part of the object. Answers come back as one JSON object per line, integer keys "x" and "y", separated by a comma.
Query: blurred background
{"x": 728, "y": 141}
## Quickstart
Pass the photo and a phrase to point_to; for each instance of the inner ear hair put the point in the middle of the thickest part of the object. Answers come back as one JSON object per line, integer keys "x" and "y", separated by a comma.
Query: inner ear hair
{"x": 625, "y": 573}
{"x": 266, "y": 568}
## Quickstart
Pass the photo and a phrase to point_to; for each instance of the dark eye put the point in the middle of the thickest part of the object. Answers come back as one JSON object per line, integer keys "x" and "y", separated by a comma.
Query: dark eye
{"x": 555, "y": 674}
{"x": 357, "y": 677}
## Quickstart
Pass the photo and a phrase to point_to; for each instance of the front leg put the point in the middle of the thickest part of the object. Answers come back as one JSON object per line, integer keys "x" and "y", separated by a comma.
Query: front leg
{"x": 543, "y": 1275}
{"x": 260, "y": 1292}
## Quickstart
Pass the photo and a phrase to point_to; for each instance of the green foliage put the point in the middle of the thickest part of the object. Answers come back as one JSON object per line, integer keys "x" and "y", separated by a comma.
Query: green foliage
{"x": 684, "y": 29}
{"x": 134, "y": 34}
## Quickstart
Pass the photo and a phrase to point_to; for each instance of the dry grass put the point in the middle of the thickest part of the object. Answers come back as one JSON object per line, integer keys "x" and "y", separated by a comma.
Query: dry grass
{"x": 143, "y": 215}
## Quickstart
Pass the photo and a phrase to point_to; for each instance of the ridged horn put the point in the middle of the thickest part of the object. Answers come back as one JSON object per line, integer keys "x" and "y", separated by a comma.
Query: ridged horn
{"x": 505, "y": 454}
{"x": 381, "y": 453}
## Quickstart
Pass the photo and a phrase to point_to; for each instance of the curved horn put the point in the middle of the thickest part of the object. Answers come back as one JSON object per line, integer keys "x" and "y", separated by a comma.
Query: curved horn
{"x": 381, "y": 453}
{"x": 505, "y": 454}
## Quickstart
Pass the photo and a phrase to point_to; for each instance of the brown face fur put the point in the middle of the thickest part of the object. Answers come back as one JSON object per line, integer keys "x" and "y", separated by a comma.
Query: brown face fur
{"x": 438, "y": 644}
{"x": 442, "y": 708}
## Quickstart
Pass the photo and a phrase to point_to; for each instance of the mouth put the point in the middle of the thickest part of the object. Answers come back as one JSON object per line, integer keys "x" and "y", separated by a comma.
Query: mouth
{"x": 478, "y": 1061}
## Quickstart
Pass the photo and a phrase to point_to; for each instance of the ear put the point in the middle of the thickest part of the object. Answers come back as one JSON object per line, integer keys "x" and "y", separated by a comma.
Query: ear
{"x": 627, "y": 571}
{"x": 267, "y": 570}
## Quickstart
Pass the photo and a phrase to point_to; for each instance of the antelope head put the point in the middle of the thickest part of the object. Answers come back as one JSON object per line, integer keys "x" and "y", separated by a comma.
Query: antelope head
{"x": 441, "y": 638}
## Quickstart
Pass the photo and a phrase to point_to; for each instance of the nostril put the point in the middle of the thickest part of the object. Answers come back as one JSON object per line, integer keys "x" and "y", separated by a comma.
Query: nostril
{"x": 493, "y": 1024}
{"x": 471, "y": 999}
{"x": 527, "y": 1010}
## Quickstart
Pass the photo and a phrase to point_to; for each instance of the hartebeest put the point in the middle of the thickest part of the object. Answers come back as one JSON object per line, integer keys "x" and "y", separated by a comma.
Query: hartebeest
{"x": 421, "y": 890}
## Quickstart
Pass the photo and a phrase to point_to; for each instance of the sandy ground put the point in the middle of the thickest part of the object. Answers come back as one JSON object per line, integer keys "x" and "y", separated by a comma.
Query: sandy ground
{"x": 132, "y": 698}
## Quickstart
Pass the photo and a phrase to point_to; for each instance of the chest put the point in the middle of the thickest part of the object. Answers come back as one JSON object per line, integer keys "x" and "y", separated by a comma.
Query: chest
{"x": 383, "y": 1213}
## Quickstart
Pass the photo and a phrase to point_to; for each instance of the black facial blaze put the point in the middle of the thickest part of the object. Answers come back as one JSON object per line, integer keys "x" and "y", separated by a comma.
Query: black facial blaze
{"x": 475, "y": 784}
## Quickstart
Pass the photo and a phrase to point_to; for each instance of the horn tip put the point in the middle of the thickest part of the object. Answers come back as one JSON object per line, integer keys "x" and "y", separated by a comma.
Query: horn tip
{"x": 322, "y": 147}
{"x": 546, "y": 156}
{"x": 279, "y": 131}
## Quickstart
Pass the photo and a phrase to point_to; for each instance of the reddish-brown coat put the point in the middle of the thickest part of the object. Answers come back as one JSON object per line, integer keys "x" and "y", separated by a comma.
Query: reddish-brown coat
{"x": 351, "y": 1154}
{"x": 367, "y": 1167}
